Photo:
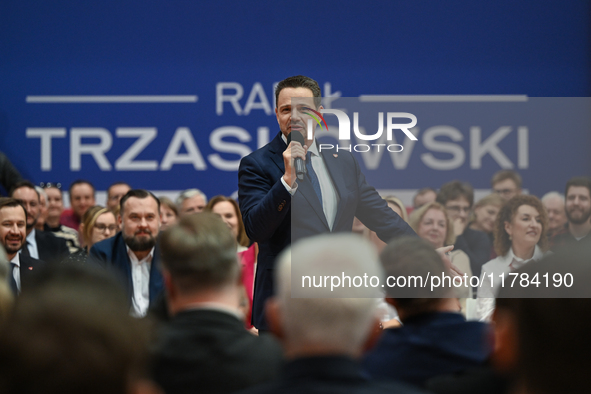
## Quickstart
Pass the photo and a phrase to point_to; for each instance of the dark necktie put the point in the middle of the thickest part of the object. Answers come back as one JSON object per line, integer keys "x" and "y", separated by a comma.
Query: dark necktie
{"x": 25, "y": 249}
{"x": 312, "y": 177}
{"x": 11, "y": 280}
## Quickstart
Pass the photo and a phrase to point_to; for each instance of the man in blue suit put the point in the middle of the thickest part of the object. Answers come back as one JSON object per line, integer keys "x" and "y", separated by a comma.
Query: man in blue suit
{"x": 133, "y": 254}
{"x": 277, "y": 209}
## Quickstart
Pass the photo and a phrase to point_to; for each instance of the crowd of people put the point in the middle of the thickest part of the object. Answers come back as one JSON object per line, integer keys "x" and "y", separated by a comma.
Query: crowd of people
{"x": 189, "y": 266}
{"x": 150, "y": 295}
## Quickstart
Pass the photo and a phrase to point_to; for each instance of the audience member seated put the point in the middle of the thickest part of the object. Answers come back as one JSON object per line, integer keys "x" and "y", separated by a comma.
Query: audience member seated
{"x": 13, "y": 222}
{"x": 578, "y": 212}
{"x": 507, "y": 184}
{"x": 133, "y": 253}
{"x": 324, "y": 338}
{"x": 205, "y": 347}
{"x": 40, "y": 245}
{"x": 97, "y": 224}
{"x": 82, "y": 197}
{"x": 434, "y": 338}
{"x": 541, "y": 332}
{"x": 169, "y": 213}
{"x": 72, "y": 334}
{"x": 424, "y": 196}
{"x": 520, "y": 237}
{"x": 191, "y": 201}
{"x": 484, "y": 216}
{"x": 432, "y": 223}
{"x": 229, "y": 211}
{"x": 557, "y": 220}
{"x": 55, "y": 207}
{"x": 114, "y": 194}
{"x": 457, "y": 198}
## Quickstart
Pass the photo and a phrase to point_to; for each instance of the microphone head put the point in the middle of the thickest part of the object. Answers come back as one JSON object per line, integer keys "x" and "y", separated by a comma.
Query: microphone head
{"x": 297, "y": 137}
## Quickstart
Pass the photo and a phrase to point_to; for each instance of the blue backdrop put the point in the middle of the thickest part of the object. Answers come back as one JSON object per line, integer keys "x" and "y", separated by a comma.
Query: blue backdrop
{"x": 210, "y": 67}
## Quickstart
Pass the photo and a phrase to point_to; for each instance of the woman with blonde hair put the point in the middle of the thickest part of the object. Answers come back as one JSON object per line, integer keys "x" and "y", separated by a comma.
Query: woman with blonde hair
{"x": 97, "y": 224}
{"x": 432, "y": 223}
{"x": 520, "y": 237}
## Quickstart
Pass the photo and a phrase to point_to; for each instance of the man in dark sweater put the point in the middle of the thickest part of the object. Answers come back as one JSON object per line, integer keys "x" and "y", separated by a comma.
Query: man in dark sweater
{"x": 205, "y": 347}
{"x": 434, "y": 339}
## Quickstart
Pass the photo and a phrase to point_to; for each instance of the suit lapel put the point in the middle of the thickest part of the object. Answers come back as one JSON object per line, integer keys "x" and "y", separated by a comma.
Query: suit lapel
{"x": 276, "y": 148}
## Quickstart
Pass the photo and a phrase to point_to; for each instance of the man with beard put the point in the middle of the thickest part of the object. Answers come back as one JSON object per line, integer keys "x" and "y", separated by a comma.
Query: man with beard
{"x": 578, "y": 211}
{"x": 132, "y": 253}
{"x": 39, "y": 244}
{"x": 13, "y": 222}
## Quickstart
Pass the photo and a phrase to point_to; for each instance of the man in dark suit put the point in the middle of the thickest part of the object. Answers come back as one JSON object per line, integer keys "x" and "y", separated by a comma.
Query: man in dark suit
{"x": 39, "y": 244}
{"x": 277, "y": 209}
{"x": 133, "y": 253}
{"x": 324, "y": 338}
{"x": 13, "y": 221}
{"x": 205, "y": 347}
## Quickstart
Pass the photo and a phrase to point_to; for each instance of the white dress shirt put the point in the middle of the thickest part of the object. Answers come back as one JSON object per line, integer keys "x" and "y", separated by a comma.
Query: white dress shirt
{"x": 140, "y": 279}
{"x": 32, "y": 245}
{"x": 330, "y": 198}
{"x": 501, "y": 265}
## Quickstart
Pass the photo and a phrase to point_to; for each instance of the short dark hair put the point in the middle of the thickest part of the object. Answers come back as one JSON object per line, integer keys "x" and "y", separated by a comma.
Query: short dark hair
{"x": 454, "y": 190}
{"x": 413, "y": 256}
{"x": 300, "y": 81}
{"x": 11, "y": 202}
{"x": 26, "y": 184}
{"x": 501, "y": 175}
{"x": 137, "y": 193}
{"x": 582, "y": 181}
{"x": 200, "y": 253}
{"x": 81, "y": 182}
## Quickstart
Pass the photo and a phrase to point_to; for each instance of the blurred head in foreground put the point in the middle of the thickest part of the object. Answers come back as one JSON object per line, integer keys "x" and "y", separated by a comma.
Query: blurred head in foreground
{"x": 337, "y": 322}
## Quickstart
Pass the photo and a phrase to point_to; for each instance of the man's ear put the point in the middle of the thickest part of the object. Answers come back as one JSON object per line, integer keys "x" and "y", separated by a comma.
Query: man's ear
{"x": 273, "y": 314}
{"x": 506, "y": 341}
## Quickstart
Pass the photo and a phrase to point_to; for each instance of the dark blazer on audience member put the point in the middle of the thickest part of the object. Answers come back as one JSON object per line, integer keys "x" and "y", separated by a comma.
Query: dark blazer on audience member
{"x": 111, "y": 254}
{"x": 429, "y": 345}
{"x": 477, "y": 246}
{"x": 51, "y": 248}
{"x": 210, "y": 351}
{"x": 28, "y": 266}
{"x": 336, "y": 374}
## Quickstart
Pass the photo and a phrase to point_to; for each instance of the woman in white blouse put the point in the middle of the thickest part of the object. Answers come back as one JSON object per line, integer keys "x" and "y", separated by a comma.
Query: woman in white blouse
{"x": 520, "y": 237}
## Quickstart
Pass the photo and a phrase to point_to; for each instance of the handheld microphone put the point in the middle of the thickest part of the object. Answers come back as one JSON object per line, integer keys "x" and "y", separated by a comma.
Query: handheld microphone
{"x": 299, "y": 163}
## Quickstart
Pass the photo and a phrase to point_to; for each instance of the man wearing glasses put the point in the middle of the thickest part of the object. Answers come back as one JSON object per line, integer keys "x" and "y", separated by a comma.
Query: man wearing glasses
{"x": 457, "y": 198}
